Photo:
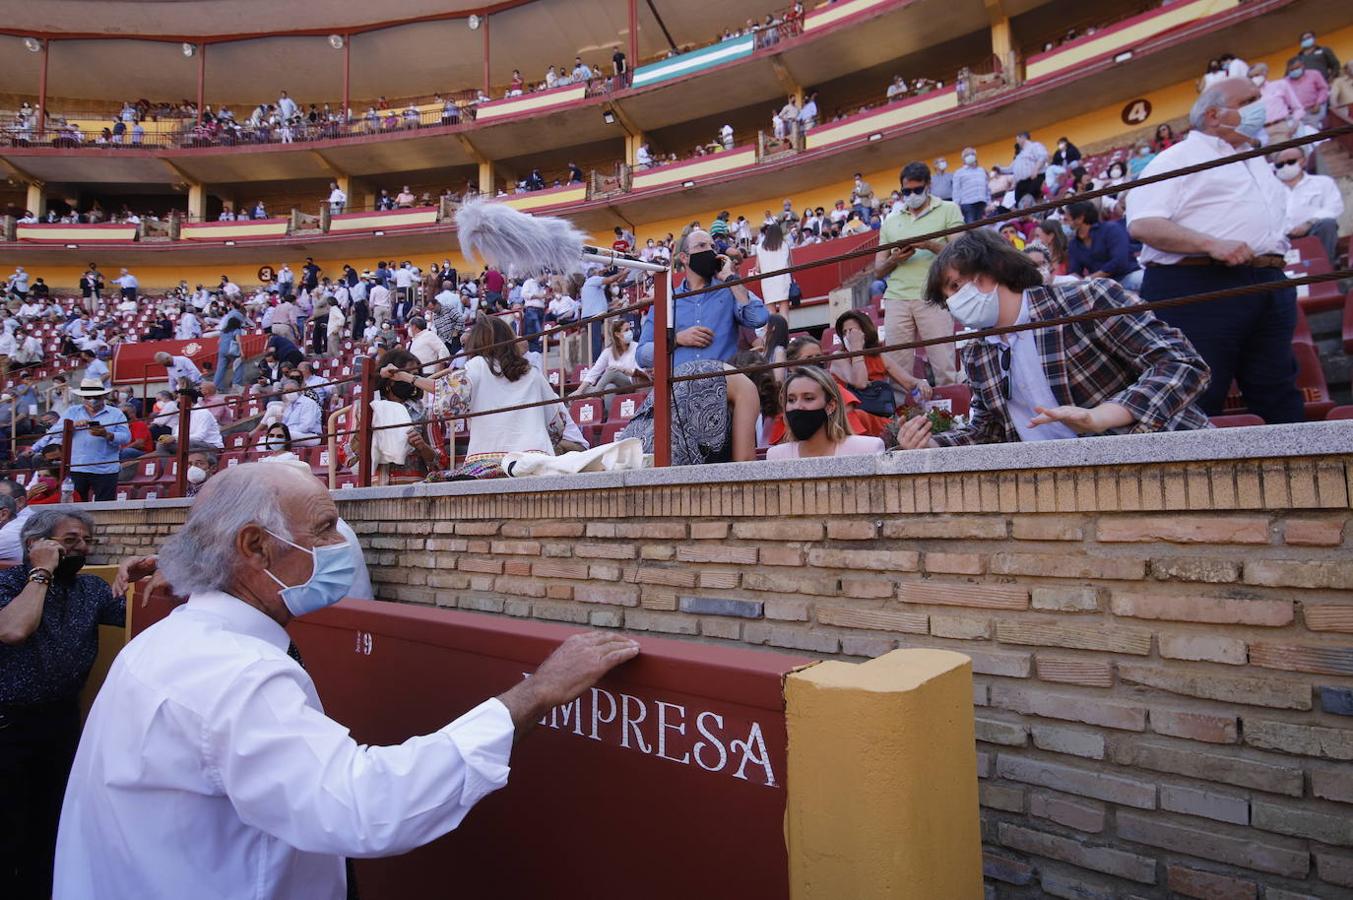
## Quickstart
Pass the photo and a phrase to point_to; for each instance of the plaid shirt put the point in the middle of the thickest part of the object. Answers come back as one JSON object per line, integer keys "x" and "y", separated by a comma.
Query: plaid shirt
{"x": 1134, "y": 360}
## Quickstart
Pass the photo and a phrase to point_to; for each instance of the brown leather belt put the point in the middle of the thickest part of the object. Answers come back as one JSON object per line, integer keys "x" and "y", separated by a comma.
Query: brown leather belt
{"x": 1262, "y": 261}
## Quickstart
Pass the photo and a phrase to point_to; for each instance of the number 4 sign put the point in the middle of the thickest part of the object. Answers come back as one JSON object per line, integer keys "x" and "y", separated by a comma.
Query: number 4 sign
{"x": 1136, "y": 112}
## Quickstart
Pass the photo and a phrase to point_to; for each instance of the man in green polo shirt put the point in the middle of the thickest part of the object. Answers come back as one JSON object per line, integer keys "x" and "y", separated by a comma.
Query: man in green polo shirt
{"x": 906, "y": 316}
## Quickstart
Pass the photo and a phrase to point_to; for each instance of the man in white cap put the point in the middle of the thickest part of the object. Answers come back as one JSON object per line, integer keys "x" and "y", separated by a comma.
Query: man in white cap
{"x": 208, "y": 751}
{"x": 100, "y": 433}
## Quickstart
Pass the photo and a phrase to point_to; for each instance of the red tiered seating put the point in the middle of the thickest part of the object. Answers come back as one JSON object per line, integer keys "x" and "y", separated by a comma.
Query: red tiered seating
{"x": 147, "y": 471}
{"x": 586, "y": 413}
{"x": 624, "y": 406}
{"x": 1315, "y": 392}
{"x": 1340, "y": 412}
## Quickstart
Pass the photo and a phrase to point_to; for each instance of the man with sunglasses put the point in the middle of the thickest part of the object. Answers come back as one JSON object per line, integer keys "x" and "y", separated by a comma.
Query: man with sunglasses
{"x": 1126, "y": 374}
{"x": 906, "y": 316}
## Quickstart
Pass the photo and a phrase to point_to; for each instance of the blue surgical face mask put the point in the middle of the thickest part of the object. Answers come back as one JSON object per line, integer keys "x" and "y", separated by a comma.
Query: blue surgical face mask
{"x": 1307, "y": 43}
{"x": 329, "y": 580}
{"x": 1252, "y": 119}
{"x": 974, "y": 307}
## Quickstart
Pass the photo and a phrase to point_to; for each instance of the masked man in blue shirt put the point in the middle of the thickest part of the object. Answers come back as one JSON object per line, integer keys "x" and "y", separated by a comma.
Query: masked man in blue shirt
{"x": 706, "y": 324}
{"x": 100, "y": 433}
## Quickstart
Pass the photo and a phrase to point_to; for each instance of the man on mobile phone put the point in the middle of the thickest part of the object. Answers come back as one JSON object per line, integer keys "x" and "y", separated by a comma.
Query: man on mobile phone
{"x": 100, "y": 433}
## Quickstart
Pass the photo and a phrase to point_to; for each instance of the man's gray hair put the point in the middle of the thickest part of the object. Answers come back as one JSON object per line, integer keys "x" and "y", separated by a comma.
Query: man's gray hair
{"x": 8, "y": 505}
{"x": 201, "y": 557}
{"x": 42, "y": 523}
{"x": 1214, "y": 96}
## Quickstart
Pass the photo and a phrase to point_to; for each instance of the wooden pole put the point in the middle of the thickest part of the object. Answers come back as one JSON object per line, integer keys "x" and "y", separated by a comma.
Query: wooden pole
{"x": 362, "y": 408}
{"x": 662, "y": 372}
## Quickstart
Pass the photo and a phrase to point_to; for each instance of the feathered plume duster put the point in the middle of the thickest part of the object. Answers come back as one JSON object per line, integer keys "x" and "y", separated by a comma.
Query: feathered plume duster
{"x": 508, "y": 239}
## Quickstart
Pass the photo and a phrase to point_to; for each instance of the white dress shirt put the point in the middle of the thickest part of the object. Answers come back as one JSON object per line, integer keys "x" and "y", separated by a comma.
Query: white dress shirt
{"x": 182, "y": 367}
{"x": 1242, "y": 201}
{"x": 1311, "y": 199}
{"x": 1029, "y": 385}
{"x": 204, "y": 429}
{"x": 188, "y": 328}
{"x": 11, "y": 548}
{"x": 208, "y": 769}
{"x": 429, "y": 349}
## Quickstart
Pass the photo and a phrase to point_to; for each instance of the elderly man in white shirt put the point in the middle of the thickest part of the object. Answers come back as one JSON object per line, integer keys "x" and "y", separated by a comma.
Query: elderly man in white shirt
{"x": 246, "y": 778}
{"x": 179, "y": 369}
{"x": 204, "y": 430}
{"x": 1314, "y": 203}
{"x": 302, "y": 416}
{"x": 426, "y": 345}
{"x": 29, "y": 351}
{"x": 1217, "y": 229}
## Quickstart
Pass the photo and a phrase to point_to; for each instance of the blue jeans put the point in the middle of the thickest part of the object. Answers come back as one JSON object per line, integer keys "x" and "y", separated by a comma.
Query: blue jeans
{"x": 532, "y": 326}
{"x": 1247, "y": 339}
{"x": 223, "y": 366}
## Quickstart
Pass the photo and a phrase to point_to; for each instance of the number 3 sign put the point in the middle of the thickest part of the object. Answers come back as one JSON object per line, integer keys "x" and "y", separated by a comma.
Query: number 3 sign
{"x": 1136, "y": 112}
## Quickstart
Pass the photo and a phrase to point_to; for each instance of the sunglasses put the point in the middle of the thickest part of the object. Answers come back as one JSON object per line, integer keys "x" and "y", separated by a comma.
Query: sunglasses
{"x": 907, "y": 192}
{"x": 1005, "y": 372}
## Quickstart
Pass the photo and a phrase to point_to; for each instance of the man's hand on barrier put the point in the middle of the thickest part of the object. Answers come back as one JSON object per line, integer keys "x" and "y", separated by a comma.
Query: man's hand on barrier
{"x": 577, "y": 664}
{"x": 1085, "y": 421}
{"x": 695, "y": 336}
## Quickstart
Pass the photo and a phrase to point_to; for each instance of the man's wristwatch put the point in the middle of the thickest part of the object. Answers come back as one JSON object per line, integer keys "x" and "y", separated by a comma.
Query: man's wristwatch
{"x": 41, "y": 576}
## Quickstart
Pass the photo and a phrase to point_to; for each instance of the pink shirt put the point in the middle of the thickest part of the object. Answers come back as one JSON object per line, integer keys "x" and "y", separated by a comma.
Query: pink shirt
{"x": 1280, "y": 101}
{"x": 854, "y": 445}
{"x": 1311, "y": 88}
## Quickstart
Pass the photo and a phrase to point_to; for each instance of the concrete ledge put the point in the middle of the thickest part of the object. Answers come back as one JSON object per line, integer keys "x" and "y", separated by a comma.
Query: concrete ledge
{"x": 1264, "y": 442}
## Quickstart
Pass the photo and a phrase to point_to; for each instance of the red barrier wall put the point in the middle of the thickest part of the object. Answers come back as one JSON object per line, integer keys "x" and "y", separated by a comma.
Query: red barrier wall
{"x": 130, "y": 360}
{"x": 665, "y": 781}
{"x": 820, "y": 281}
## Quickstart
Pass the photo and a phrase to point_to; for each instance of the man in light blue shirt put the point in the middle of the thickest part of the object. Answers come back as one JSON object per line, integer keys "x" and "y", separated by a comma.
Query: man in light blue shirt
{"x": 100, "y": 433}
{"x": 179, "y": 369}
{"x": 228, "y": 349}
{"x": 595, "y": 300}
{"x": 95, "y": 368}
{"x": 301, "y": 416}
{"x": 706, "y": 324}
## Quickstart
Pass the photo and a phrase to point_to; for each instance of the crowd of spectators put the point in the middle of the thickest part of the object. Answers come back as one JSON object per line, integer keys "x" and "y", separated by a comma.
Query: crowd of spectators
{"x": 1086, "y": 255}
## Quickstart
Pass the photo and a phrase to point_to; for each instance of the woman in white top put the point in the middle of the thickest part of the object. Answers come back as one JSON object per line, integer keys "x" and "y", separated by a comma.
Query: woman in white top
{"x": 496, "y": 376}
{"x": 772, "y": 254}
{"x": 616, "y": 369}
{"x": 816, "y": 417}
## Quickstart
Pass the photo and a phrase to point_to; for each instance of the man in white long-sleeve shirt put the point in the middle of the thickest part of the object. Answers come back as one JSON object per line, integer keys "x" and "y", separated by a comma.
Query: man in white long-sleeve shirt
{"x": 1314, "y": 203}
{"x": 208, "y": 769}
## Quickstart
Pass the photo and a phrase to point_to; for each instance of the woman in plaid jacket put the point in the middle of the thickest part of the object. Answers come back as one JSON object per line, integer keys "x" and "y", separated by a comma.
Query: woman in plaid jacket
{"x": 1124, "y": 374}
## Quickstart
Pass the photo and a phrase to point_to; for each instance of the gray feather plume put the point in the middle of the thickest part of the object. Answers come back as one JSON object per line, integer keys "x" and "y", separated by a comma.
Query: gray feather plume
{"x": 509, "y": 239}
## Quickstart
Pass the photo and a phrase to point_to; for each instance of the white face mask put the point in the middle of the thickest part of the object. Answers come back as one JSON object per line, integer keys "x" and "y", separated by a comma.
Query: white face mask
{"x": 973, "y": 307}
{"x": 197, "y": 474}
{"x": 916, "y": 201}
{"x": 970, "y": 159}
{"x": 1288, "y": 171}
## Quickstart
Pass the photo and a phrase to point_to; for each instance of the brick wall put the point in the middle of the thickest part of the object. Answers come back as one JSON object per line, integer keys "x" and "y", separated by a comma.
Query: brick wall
{"x": 1162, "y": 653}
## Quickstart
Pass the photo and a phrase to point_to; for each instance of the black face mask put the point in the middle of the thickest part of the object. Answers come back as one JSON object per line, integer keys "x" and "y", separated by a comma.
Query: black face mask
{"x": 402, "y": 389}
{"x": 705, "y": 264}
{"x": 804, "y": 423}
{"x": 69, "y": 566}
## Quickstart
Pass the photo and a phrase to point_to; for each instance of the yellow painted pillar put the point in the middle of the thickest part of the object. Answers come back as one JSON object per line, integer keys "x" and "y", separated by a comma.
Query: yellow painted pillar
{"x": 486, "y": 177}
{"x": 632, "y": 144}
{"x": 1001, "y": 40}
{"x": 197, "y": 202}
{"x": 882, "y": 779}
{"x": 36, "y": 202}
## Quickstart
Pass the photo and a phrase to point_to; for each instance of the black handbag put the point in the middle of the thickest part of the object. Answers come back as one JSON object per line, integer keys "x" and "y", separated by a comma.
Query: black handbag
{"x": 795, "y": 294}
{"x": 876, "y": 397}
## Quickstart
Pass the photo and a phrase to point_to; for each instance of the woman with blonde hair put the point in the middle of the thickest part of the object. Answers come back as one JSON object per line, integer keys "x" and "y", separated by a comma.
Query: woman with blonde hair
{"x": 816, "y": 416}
